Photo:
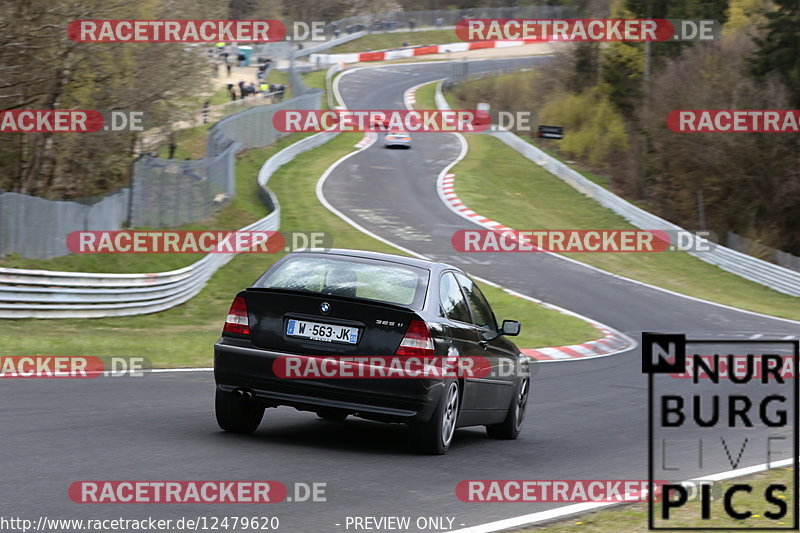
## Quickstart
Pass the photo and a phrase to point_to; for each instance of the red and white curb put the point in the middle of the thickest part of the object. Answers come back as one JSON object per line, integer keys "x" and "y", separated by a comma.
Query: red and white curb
{"x": 369, "y": 138}
{"x": 612, "y": 341}
{"x": 410, "y": 96}
{"x": 386, "y": 55}
{"x": 448, "y": 192}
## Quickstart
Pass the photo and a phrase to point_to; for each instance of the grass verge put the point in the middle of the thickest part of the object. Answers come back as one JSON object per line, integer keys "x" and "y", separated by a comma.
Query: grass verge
{"x": 380, "y": 41}
{"x": 425, "y": 97}
{"x": 297, "y": 180}
{"x": 501, "y": 184}
{"x": 192, "y": 328}
{"x": 179, "y": 337}
{"x": 315, "y": 79}
{"x": 633, "y": 518}
{"x": 525, "y": 196}
{"x": 190, "y": 143}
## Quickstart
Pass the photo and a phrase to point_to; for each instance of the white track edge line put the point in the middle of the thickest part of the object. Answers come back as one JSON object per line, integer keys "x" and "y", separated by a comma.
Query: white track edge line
{"x": 631, "y": 343}
{"x": 579, "y": 508}
{"x": 637, "y": 282}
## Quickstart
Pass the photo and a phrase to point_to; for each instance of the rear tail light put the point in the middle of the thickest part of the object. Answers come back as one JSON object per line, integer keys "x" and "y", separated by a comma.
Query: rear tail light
{"x": 417, "y": 342}
{"x": 237, "y": 322}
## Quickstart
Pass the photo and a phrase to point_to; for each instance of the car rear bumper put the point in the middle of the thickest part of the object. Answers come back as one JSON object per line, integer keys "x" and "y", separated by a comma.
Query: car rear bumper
{"x": 238, "y": 364}
{"x": 406, "y": 144}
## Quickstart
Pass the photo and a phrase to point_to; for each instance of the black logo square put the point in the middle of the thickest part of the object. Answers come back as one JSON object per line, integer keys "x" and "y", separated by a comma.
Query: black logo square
{"x": 663, "y": 353}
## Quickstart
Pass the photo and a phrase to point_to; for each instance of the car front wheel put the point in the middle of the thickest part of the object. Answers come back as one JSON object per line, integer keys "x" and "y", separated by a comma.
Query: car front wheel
{"x": 510, "y": 427}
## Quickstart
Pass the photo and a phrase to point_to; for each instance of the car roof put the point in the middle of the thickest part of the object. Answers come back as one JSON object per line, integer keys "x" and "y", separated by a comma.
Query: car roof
{"x": 379, "y": 256}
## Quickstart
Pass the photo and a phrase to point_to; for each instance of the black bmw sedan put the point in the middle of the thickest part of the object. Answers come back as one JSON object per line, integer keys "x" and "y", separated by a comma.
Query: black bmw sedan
{"x": 378, "y": 336}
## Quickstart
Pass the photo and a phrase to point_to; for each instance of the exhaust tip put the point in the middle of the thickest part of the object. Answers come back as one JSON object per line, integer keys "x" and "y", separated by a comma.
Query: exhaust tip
{"x": 244, "y": 394}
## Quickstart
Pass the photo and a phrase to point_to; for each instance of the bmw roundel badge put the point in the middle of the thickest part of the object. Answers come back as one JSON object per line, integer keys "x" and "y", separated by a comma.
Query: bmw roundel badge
{"x": 325, "y": 307}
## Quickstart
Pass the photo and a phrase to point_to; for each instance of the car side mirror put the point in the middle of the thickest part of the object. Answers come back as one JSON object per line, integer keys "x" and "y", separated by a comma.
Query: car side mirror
{"x": 510, "y": 328}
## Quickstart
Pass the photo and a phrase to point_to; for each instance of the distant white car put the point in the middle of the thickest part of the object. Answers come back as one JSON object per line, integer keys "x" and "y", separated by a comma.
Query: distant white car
{"x": 397, "y": 138}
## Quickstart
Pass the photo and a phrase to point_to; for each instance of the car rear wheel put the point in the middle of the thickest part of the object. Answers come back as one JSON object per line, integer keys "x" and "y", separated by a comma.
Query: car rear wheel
{"x": 434, "y": 437}
{"x": 333, "y": 416}
{"x": 510, "y": 427}
{"x": 235, "y": 414}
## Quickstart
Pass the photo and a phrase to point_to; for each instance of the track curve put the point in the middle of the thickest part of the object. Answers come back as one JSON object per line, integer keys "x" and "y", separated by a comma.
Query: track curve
{"x": 587, "y": 419}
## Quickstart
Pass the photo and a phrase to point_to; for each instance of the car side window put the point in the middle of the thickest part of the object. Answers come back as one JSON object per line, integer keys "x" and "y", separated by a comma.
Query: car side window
{"x": 454, "y": 306}
{"x": 481, "y": 311}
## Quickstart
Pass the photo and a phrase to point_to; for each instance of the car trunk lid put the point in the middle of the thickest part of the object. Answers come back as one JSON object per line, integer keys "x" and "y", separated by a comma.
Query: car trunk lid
{"x": 283, "y": 320}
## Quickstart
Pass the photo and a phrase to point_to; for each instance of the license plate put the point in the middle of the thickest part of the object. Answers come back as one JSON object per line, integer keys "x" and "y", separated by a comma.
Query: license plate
{"x": 322, "y": 332}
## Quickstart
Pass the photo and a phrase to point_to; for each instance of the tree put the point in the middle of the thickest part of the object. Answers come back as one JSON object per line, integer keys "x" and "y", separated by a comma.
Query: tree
{"x": 750, "y": 181}
{"x": 43, "y": 69}
{"x": 242, "y": 9}
{"x": 778, "y": 51}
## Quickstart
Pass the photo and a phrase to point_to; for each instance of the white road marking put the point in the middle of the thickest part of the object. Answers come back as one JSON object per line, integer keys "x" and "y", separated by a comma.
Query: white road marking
{"x": 579, "y": 508}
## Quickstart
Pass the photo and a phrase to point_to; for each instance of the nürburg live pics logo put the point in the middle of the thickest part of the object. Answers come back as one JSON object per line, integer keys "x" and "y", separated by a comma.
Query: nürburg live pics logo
{"x": 718, "y": 410}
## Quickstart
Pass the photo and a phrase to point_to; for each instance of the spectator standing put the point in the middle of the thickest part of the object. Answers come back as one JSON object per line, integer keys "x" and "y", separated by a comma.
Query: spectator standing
{"x": 172, "y": 146}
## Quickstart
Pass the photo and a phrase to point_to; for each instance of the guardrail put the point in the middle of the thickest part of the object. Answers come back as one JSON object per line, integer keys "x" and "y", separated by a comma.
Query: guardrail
{"x": 331, "y": 43}
{"x": 52, "y": 294}
{"x": 770, "y": 275}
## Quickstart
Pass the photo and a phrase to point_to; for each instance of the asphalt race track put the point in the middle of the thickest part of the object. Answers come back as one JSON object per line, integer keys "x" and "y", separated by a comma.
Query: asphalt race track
{"x": 586, "y": 420}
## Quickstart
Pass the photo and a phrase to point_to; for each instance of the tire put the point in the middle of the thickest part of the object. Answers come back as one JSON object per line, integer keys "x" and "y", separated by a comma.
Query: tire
{"x": 236, "y": 415}
{"x": 435, "y": 436}
{"x": 333, "y": 416}
{"x": 510, "y": 427}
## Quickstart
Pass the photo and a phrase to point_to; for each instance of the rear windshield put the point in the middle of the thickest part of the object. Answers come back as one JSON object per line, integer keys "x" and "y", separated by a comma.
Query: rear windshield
{"x": 354, "y": 278}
